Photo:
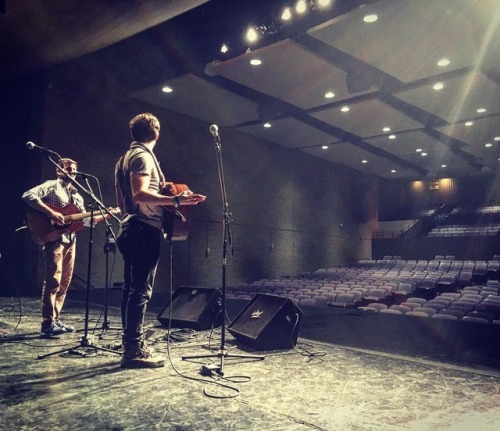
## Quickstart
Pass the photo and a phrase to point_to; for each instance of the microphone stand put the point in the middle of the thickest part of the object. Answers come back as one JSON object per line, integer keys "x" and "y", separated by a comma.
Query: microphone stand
{"x": 222, "y": 352}
{"x": 85, "y": 342}
{"x": 109, "y": 246}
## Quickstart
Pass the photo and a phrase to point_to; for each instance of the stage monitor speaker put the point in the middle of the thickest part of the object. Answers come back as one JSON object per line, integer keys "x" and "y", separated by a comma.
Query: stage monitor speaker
{"x": 268, "y": 322}
{"x": 193, "y": 307}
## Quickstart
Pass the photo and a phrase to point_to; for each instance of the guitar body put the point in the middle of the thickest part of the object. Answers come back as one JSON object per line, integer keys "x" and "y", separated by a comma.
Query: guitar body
{"x": 43, "y": 230}
{"x": 175, "y": 220}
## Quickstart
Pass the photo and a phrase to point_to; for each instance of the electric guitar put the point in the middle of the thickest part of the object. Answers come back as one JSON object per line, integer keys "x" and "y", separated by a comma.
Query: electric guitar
{"x": 44, "y": 230}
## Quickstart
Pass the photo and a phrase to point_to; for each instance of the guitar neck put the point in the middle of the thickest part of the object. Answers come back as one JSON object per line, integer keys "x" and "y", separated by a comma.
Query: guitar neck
{"x": 75, "y": 217}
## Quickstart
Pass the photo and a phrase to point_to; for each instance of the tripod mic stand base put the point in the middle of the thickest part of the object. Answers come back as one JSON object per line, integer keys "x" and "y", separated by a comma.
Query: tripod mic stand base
{"x": 86, "y": 344}
{"x": 211, "y": 369}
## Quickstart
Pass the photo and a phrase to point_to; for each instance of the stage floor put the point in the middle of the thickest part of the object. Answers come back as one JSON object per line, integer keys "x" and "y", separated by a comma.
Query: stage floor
{"x": 317, "y": 386}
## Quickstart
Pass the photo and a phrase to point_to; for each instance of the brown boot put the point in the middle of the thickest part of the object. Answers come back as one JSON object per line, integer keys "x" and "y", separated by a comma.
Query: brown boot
{"x": 139, "y": 355}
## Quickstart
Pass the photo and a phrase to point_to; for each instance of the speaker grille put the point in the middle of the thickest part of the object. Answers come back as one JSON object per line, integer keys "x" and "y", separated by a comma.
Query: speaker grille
{"x": 268, "y": 322}
{"x": 193, "y": 307}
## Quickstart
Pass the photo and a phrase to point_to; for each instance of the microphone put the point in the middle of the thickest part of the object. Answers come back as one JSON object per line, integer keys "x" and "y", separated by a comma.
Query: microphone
{"x": 214, "y": 130}
{"x": 32, "y": 146}
{"x": 83, "y": 174}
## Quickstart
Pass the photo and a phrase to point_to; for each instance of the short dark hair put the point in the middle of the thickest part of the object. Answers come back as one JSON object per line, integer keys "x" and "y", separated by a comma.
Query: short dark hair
{"x": 64, "y": 160}
{"x": 144, "y": 127}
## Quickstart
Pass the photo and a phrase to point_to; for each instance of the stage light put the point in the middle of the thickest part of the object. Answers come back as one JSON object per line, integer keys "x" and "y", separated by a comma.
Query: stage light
{"x": 286, "y": 15}
{"x": 301, "y": 7}
{"x": 322, "y": 4}
{"x": 252, "y": 35}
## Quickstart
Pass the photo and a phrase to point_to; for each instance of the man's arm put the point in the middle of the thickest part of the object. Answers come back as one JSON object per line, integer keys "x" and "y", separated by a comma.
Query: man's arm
{"x": 141, "y": 195}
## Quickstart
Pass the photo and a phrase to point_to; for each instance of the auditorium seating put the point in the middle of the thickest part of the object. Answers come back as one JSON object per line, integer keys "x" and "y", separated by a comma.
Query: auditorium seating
{"x": 441, "y": 288}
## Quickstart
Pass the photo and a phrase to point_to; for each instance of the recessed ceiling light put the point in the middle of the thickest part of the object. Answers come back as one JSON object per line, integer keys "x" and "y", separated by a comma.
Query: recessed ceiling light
{"x": 469, "y": 123}
{"x": 370, "y": 18}
{"x": 324, "y": 147}
{"x": 443, "y": 166}
{"x": 255, "y": 61}
{"x": 267, "y": 125}
{"x": 167, "y": 89}
{"x": 419, "y": 150}
{"x": 393, "y": 171}
{"x": 488, "y": 144}
{"x": 392, "y": 136}
{"x": 224, "y": 48}
{"x": 345, "y": 109}
{"x": 481, "y": 110}
{"x": 443, "y": 62}
{"x": 386, "y": 129}
{"x": 364, "y": 161}
{"x": 496, "y": 138}
{"x": 329, "y": 95}
{"x": 438, "y": 86}
{"x": 423, "y": 154}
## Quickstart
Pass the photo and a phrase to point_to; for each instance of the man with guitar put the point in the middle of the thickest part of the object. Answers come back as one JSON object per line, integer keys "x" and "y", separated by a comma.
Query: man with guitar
{"x": 138, "y": 182}
{"x": 51, "y": 204}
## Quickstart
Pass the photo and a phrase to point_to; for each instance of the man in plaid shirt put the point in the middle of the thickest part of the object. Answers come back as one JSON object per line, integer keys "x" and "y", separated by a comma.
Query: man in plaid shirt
{"x": 59, "y": 255}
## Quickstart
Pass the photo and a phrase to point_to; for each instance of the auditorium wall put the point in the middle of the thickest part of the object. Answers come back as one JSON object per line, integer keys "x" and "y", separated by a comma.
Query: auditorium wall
{"x": 290, "y": 212}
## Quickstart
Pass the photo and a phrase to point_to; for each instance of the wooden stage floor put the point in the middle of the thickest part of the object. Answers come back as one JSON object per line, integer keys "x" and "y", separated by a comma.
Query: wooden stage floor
{"x": 316, "y": 386}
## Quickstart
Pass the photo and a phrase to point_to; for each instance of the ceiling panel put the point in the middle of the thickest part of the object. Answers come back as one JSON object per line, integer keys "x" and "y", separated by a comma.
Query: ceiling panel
{"x": 481, "y": 136}
{"x": 288, "y": 72}
{"x": 367, "y": 118}
{"x": 201, "y": 99}
{"x": 458, "y": 100}
{"x": 290, "y": 133}
{"x": 410, "y": 36}
{"x": 352, "y": 156}
{"x": 423, "y": 150}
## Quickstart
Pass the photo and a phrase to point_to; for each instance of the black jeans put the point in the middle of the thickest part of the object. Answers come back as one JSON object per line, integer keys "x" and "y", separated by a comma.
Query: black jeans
{"x": 139, "y": 244}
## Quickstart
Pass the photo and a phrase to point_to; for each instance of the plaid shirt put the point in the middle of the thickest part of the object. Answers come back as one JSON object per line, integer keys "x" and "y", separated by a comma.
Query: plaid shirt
{"x": 55, "y": 193}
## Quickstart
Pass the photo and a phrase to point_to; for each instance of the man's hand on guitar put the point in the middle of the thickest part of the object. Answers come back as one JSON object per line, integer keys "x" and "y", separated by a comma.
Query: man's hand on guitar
{"x": 187, "y": 197}
{"x": 57, "y": 218}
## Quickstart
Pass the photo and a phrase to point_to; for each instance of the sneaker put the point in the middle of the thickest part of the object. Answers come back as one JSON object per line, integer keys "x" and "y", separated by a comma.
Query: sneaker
{"x": 139, "y": 355}
{"x": 50, "y": 329}
{"x": 66, "y": 328}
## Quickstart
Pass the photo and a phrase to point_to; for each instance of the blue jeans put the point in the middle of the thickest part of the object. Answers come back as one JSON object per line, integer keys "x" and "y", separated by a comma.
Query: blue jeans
{"x": 139, "y": 244}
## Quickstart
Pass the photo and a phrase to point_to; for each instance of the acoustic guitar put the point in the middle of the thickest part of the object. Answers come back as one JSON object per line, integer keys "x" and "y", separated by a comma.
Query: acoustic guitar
{"x": 44, "y": 230}
{"x": 175, "y": 220}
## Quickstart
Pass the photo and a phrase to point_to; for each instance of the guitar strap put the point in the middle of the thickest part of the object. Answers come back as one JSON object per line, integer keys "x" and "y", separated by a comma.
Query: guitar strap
{"x": 136, "y": 145}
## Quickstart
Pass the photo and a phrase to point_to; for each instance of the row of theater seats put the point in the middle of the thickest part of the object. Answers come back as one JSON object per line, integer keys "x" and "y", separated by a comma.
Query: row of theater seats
{"x": 388, "y": 283}
{"x": 471, "y": 304}
{"x": 464, "y": 230}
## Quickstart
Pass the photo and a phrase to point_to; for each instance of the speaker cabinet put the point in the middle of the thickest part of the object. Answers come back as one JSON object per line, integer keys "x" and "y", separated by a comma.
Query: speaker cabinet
{"x": 268, "y": 322}
{"x": 193, "y": 307}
